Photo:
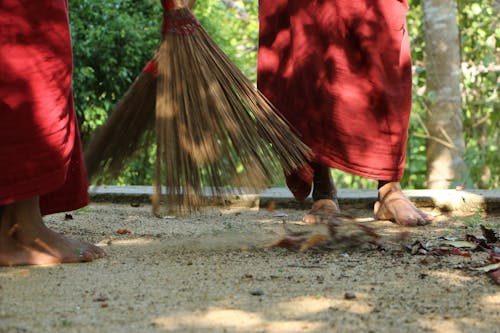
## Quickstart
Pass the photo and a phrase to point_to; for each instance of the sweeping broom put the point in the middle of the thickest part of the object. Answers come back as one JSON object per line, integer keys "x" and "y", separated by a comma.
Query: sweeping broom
{"x": 210, "y": 122}
{"x": 125, "y": 129}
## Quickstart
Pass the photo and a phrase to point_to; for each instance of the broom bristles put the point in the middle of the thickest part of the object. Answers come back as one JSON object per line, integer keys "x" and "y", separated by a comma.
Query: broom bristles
{"x": 213, "y": 127}
{"x": 124, "y": 131}
{"x": 211, "y": 121}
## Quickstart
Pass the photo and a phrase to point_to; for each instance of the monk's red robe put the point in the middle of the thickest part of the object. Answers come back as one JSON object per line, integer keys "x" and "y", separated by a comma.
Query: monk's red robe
{"x": 40, "y": 149}
{"x": 340, "y": 72}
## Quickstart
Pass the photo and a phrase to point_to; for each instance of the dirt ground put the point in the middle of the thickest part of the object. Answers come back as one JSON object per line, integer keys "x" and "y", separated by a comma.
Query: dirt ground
{"x": 214, "y": 272}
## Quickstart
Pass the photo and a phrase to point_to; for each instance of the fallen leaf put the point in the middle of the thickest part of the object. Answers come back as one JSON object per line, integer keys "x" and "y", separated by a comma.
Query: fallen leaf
{"x": 123, "y": 231}
{"x": 480, "y": 242}
{"x": 488, "y": 268}
{"x": 369, "y": 231}
{"x": 313, "y": 241}
{"x": 495, "y": 254}
{"x": 256, "y": 293}
{"x": 495, "y": 275}
{"x": 417, "y": 248}
{"x": 441, "y": 251}
{"x": 446, "y": 238}
{"x": 489, "y": 234}
{"x": 101, "y": 298}
{"x": 460, "y": 244}
{"x": 289, "y": 242}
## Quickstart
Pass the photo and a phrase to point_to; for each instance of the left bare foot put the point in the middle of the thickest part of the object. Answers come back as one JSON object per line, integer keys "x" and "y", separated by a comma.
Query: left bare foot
{"x": 26, "y": 240}
{"x": 395, "y": 206}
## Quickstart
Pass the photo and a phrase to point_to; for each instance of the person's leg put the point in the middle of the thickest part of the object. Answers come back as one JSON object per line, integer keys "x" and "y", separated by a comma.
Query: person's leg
{"x": 324, "y": 196}
{"x": 393, "y": 205}
{"x": 26, "y": 240}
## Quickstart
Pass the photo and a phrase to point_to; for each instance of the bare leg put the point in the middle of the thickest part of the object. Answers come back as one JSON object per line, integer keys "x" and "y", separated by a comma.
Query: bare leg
{"x": 395, "y": 206}
{"x": 324, "y": 196}
{"x": 26, "y": 240}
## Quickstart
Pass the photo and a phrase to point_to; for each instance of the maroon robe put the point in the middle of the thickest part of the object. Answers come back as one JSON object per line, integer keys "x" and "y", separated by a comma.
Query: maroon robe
{"x": 40, "y": 149}
{"x": 340, "y": 72}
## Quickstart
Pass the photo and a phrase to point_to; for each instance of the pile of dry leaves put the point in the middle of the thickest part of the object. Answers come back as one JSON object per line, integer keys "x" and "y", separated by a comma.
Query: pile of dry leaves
{"x": 343, "y": 230}
{"x": 488, "y": 242}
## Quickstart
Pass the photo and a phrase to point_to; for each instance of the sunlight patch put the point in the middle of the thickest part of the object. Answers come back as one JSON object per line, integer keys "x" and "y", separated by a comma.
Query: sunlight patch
{"x": 16, "y": 273}
{"x": 451, "y": 326}
{"x": 455, "y": 279}
{"x": 434, "y": 325}
{"x": 492, "y": 301}
{"x": 125, "y": 242}
{"x": 310, "y": 305}
{"x": 234, "y": 321}
{"x": 295, "y": 326}
{"x": 306, "y": 305}
{"x": 213, "y": 318}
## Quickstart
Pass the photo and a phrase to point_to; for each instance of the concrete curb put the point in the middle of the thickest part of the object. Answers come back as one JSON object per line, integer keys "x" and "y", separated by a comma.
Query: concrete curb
{"x": 444, "y": 200}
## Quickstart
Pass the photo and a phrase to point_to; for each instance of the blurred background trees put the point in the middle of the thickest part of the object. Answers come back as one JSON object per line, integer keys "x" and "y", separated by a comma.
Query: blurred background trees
{"x": 113, "y": 39}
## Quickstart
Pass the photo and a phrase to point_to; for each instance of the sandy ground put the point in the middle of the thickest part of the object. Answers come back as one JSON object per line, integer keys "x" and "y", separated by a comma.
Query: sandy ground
{"x": 214, "y": 273}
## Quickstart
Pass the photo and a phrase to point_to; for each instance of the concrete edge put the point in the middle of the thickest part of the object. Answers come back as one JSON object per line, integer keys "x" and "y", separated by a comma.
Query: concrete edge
{"x": 444, "y": 200}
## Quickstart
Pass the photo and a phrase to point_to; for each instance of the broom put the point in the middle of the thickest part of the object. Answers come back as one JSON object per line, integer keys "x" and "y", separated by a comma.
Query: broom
{"x": 212, "y": 125}
{"x": 124, "y": 131}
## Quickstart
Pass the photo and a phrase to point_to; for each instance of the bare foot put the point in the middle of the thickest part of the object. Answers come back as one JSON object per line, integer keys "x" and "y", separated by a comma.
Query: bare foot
{"x": 26, "y": 240}
{"x": 395, "y": 206}
{"x": 322, "y": 211}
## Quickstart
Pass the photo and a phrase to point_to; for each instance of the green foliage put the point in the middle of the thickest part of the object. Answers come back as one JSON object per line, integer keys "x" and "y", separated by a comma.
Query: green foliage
{"x": 233, "y": 25}
{"x": 480, "y": 32}
{"x": 114, "y": 39}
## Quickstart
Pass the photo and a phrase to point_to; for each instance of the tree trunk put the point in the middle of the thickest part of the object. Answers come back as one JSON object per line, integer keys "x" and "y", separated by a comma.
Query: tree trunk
{"x": 445, "y": 142}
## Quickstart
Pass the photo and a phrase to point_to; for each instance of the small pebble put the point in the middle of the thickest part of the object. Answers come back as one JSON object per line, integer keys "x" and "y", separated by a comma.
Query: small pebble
{"x": 349, "y": 295}
{"x": 256, "y": 293}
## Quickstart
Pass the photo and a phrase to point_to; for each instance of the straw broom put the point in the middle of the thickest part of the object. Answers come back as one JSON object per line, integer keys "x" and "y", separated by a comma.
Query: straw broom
{"x": 213, "y": 127}
{"x": 125, "y": 129}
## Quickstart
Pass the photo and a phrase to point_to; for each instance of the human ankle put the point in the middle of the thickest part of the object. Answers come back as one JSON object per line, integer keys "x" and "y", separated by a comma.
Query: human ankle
{"x": 385, "y": 188}
{"x": 323, "y": 184}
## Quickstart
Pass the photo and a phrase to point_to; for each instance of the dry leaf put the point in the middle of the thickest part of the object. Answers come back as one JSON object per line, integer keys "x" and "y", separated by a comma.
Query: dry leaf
{"x": 495, "y": 254}
{"x": 289, "y": 242}
{"x": 417, "y": 248}
{"x": 123, "y": 231}
{"x": 313, "y": 241}
{"x": 488, "y": 268}
{"x": 489, "y": 235}
{"x": 460, "y": 244}
{"x": 495, "y": 275}
{"x": 441, "y": 251}
{"x": 101, "y": 298}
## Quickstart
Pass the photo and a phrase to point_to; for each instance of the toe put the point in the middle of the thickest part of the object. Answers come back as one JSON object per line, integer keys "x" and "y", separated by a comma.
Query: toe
{"x": 100, "y": 253}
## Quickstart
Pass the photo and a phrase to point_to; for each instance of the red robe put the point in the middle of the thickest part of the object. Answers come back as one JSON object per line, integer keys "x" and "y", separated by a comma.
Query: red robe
{"x": 340, "y": 72}
{"x": 40, "y": 149}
